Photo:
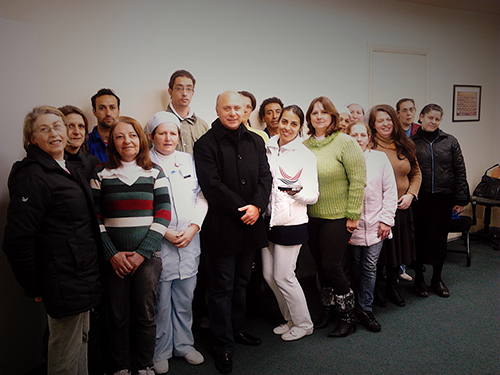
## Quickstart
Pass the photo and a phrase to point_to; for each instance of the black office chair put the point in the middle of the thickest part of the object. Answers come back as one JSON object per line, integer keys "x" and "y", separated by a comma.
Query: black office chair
{"x": 486, "y": 194}
{"x": 487, "y": 234}
{"x": 462, "y": 225}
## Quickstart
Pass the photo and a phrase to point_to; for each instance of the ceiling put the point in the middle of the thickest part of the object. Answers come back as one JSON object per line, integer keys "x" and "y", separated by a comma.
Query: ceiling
{"x": 481, "y": 6}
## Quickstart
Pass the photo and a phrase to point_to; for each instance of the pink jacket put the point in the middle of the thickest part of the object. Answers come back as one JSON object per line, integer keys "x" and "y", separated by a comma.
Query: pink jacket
{"x": 380, "y": 201}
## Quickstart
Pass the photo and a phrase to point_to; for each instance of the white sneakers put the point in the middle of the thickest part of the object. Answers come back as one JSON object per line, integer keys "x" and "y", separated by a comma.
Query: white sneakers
{"x": 282, "y": 328}
{"x": 147, "y": 371}
{"x": 194, "y": 357}
{"x": 161, "y": 367}
{"x": 404, "y": 276}
{"x": 295, "y": 333}
{"x": 289, "y": 332}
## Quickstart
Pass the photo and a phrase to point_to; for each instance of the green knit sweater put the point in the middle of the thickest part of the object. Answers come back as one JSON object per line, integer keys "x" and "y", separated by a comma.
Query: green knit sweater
{"x": 341, "y": 177}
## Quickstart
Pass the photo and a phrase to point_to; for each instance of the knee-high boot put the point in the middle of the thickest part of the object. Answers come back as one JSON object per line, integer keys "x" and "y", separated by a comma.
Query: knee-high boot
{"x": 345, "y": 304}
{"x": 328, "y": 308}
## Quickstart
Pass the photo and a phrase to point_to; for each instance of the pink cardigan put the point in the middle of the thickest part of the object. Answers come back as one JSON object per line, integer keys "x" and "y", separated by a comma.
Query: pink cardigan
{"x": 380, "y": 201}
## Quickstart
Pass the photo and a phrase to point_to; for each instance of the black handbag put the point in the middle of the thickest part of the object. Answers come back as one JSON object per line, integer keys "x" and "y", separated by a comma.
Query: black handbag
{"x": 489, "y": 187}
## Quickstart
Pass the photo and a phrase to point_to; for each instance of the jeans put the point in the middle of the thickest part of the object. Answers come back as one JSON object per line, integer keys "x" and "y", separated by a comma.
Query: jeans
{"x": 131, "y": 307}
{"x": 229, "y": 275}
{"x": 364, "y": 269}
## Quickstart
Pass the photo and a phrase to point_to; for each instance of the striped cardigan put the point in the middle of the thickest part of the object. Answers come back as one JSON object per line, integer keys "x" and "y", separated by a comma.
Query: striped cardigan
{"x": 133, "y": 213}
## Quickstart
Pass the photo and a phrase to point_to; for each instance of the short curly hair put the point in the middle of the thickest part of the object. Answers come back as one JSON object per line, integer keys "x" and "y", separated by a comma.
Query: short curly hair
{"x": 262, "y": 109}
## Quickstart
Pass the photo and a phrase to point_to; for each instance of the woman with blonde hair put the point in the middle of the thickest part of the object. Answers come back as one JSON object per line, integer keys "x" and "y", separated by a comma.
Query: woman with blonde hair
{"x": 51, "y": 239}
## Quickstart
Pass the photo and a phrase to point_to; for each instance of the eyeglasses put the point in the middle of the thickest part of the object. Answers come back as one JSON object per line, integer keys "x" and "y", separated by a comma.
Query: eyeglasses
{"x": 408, "y": 110}
{"x": 182, "y": 88}
{"x": 58, "y": 128}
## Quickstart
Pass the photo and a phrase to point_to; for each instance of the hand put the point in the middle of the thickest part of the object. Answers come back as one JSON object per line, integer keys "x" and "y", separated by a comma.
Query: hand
{"x": 38, "y": 299}
{"x": 184, "y": 238}
{"x": 458, "y": 209}
{"x": 251, "y": 214}
{"x": 383, "y": 231}
{"x": 135, "y": 260}
{"x": 405, "y": 201}
{"x": 171, "y": 236}
{"x": 291, "y": 192}
{"x": 121, "y": 264}
{"x": 352, "y": 225}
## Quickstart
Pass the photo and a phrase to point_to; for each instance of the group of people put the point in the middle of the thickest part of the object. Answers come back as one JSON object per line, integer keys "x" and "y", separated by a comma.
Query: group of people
{"x": 127, "y": 212}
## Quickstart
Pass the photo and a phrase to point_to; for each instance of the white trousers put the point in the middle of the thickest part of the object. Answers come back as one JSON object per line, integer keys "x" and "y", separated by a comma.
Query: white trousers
{"x": 68, "y": 338}
{"x": 174, "y": 319}
{"x": 278, "y": 266}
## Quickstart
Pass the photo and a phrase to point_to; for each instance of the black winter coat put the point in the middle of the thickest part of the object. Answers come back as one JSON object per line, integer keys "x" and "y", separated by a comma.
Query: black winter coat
{"x": 51, "y": 235}
{"x": 84, "y": 163}
{"x": 232, "y": 174}
{"x": 442, "y": 166}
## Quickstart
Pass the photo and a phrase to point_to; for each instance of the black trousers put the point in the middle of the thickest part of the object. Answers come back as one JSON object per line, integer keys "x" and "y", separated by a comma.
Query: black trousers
{"x": 228, "y": 277}
{"x": 328, "y": 241}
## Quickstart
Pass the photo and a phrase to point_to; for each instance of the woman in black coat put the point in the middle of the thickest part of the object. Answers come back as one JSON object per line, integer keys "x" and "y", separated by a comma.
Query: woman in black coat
{"x": 76, "y": 150}
{"x": 444, "y": 191}
{"x": 51, "y": 238}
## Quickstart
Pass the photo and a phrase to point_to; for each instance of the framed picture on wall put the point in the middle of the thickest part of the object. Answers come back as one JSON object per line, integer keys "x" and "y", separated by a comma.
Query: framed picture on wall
{"x": 466, "y": 103}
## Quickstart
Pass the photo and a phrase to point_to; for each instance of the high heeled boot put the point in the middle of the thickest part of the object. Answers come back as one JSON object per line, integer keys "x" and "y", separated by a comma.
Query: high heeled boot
{"x": 328, "y": 308}
{"x": 345, "y": 304}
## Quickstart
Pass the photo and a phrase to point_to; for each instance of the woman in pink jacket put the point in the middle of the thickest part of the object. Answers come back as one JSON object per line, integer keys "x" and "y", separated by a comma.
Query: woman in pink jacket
{"x": 379, "y": 207}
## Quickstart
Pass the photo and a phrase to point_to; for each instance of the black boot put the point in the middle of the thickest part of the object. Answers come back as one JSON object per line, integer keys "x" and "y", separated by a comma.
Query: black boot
{"x": 392, "y": 291}
{"x": 419, "y": 286}
{"x": 378, "y": 297}
{"x": 328, "y": 308}
{"x": 367, "y": 319}
{"x": 347, "y": 323}
{"x": 325, "y": 318}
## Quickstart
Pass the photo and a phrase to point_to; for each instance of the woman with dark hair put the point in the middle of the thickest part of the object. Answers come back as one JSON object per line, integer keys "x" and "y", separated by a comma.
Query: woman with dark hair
{"x": 341, "y": 178}
{"x": 249, "y": 104}
{"x": 444, "y": 191}
{"x": 76, "y": 149}
{"x": 51, "y": 239}
{"x": 295, "y": 185}
{"x": 388, "y": 136}
{"x": 133, "y": 209}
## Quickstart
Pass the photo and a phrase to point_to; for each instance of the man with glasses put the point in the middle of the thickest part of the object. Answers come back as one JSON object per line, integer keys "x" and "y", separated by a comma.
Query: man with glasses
{"x": 406, "y": 113}
{"x": 181, "y": 91}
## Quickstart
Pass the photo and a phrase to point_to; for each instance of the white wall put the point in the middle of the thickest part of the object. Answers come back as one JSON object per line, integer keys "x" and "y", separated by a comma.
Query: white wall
{"x": 61, "y": 52}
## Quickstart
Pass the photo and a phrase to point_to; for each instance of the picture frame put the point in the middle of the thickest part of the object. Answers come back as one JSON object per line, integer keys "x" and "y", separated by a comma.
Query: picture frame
{"x": 466, "y": 103}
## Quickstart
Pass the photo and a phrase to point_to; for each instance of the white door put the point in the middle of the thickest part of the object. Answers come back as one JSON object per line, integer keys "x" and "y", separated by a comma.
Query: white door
{"x": 397, "y": 73}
